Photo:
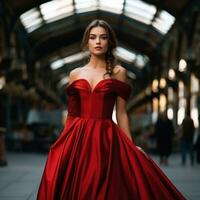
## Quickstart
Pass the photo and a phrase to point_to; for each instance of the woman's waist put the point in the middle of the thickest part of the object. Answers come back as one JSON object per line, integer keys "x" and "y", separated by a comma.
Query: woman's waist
{"x": 82, "y": 116}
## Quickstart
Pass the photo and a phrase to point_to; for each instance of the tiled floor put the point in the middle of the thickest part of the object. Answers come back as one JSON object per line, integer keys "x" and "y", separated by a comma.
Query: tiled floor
{"x": 20, "y": 179}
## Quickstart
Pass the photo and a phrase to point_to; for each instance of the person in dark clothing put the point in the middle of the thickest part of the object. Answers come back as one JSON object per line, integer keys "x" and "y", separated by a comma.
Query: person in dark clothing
{"x": 197, "y": 148}
{"x": 197, "y": 144}
{"x": 3, "y": 160}
{"x": 164, "y": 131}
{"x": 187, "y": 138}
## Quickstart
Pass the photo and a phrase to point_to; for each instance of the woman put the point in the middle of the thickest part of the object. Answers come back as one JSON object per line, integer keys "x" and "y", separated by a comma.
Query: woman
{"x": 94, "y": 158}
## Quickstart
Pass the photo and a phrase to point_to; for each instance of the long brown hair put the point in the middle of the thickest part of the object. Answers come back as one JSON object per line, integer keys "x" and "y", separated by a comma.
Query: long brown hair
{"x": 112, "y": 43}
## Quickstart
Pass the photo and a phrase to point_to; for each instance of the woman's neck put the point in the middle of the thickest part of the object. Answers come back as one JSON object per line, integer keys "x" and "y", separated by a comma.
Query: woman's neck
{"x": 97, "y": 62}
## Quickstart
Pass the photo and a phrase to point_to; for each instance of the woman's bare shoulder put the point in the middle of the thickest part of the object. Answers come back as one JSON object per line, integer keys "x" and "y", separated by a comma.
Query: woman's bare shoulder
{"x": 119, "y": 68}
{"x": 120, "y": 72}
{"x": 74, "y": 74}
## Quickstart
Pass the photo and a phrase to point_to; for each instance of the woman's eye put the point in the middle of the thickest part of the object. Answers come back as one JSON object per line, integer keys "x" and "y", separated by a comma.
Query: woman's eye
{"x": 105, "y": 37}
{"x": 101, "y": 37}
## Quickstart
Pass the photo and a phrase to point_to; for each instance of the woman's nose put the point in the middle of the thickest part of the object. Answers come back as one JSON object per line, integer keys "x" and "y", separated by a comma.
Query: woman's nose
{"x": 97, "y": 40}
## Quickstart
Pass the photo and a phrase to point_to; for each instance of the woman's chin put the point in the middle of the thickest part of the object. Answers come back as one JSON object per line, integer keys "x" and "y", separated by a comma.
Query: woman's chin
{"x": 98, "y": 54}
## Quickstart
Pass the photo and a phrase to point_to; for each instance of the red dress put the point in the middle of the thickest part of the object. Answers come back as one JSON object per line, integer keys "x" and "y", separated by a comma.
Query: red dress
{"x": 93, "y": 159}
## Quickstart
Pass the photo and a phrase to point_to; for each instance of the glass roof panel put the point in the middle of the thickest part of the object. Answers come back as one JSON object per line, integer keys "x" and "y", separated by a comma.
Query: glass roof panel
{"x": 63, "y": 81}
{"x": 60, "y": 62}
{"x": 125, "y": 54}
{"x": 31, "y": 20}
{"x": 56, "y": 9}
{"x": 54, "y": 16}
{"x": 36, "y": 22}
{"x": 131, "y": 57}
{"x": 85, "y": 5}
{"x": 164, "y": 22}
{"x": 75, "y": 57}
{"x": 57, "y": 64}
{"x": 114, "y": 6}
{"x": 30, "y": 15}
{"x": 139, "y": 11}
{"x": 141, "y": 61}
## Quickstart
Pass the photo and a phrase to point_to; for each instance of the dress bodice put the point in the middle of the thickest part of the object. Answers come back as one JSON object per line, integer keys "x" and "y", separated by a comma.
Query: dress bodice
{"x": 98, "y": 103}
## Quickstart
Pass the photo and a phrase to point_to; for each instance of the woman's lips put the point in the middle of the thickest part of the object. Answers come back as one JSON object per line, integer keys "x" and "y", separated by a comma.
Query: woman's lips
{"x": 98, "y": 48}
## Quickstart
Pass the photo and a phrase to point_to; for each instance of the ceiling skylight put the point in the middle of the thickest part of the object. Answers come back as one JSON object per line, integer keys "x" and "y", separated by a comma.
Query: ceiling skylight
{"x": 76, "y": 57}
{"x": 31, "y": 20}
{"x": 141, "y": 61}
{"x": 130, "y": 57}
{"x": 125, "y": 54}
{"x": 164, "y": 22}
{"x": 56, "y": 9}
{"x": 63, "y": 81}
{"x": 135, "y": 9}
{"x": 115, "y": 6}
{"x": 85, "y": 5}
{"x": 140, "y": 11}
{"x": 69, "y": 59}
{"x": 57, "y": 64}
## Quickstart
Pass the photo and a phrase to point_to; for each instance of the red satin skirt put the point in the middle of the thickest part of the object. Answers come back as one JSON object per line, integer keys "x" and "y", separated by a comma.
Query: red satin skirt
{"x": 93, "y": 159}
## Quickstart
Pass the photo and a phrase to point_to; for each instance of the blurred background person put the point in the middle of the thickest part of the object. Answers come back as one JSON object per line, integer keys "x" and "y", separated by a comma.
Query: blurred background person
{"x": 197, "y": 149}
{"x": 187, "y": 135}
{"x": 3, "y": 160}
{"x": 164, "y": 132}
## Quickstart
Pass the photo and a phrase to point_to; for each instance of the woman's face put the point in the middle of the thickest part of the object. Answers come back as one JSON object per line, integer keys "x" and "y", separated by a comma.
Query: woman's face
{"x": 98, "y": 41}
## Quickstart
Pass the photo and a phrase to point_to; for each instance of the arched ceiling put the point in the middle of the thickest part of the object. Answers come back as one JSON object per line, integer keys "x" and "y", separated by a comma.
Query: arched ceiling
{"x": 173, "y": 7}
{"x": 134, "y": 30}
{"x": 140, "y": 25}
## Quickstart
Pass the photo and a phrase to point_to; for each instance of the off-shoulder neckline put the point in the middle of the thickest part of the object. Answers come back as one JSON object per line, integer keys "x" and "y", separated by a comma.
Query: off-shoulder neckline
{"x": 92, "y": 89}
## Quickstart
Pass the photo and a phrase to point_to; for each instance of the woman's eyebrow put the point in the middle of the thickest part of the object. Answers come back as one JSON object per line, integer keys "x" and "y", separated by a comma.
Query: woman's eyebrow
{"x": 100, "y": 34}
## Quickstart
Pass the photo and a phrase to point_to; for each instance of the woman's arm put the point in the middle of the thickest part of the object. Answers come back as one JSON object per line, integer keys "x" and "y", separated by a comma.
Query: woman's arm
{"x": 121, "y": 113}
{"x": 122, "y": 117}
